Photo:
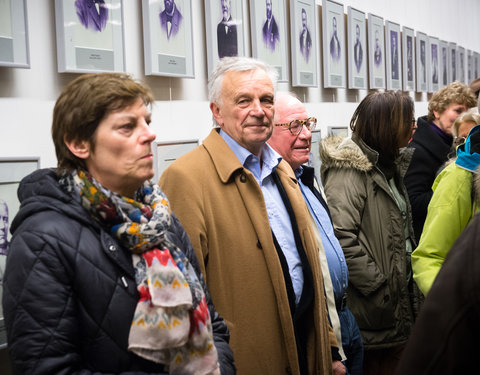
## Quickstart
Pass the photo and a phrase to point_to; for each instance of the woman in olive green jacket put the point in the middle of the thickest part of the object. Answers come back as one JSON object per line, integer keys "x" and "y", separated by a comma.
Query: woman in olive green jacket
{"x": 363, "y": 181}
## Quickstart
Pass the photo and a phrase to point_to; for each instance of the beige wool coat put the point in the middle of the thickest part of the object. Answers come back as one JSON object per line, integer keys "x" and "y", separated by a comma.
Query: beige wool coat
{"x": 221, "y": 207}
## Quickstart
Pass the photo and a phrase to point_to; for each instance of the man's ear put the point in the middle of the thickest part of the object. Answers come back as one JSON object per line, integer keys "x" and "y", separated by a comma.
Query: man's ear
{"x": 81, "y": 149}
{"x": 216, "y": 113}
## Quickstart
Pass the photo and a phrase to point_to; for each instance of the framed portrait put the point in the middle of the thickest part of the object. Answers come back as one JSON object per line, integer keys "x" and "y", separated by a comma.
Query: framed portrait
{"x": 443, "y": 63}
{"x": 225, "y": 30}
{"x": 165, "y": 153}
{"x": 476, "y": 65}
{"x": 14, "y": 48}
{"x": 433, "y": 67}
{"x": 357, "y": 48}
{"x": 408, "y": 58}
{"x": 376, "y": 52}
{"x": 469, "y": 54}
{"x": 90, "y": 38}
{"x": 394, "y": 63}
{"x": 168, "y": 38}
{"x": 269, "y": 34}
{"x": 461, "y": 64}
{"x": 421, "y": 49}
{"x": 334, "y": 51}
{"x": 303, "y": 37}
{"x": 452, "y": 62}
{"x": 314, "y": 159}
{"x": 12, "y": 170}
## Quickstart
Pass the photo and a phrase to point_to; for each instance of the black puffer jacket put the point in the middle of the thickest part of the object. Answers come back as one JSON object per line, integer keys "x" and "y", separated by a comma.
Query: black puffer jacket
{"x": 69, "y": 289}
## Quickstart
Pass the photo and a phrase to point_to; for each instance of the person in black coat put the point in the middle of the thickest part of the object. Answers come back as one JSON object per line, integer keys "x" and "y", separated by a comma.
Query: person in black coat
{"x": 444, "y": 339}
{"x": 432, "y": 142}
{"x": 100, "y": 276}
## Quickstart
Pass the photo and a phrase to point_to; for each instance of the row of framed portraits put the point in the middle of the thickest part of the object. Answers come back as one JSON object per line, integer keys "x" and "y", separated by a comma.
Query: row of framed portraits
{"x": 90, "y": 38}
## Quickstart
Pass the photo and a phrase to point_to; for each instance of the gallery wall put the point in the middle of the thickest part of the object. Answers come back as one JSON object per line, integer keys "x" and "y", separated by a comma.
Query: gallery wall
{"x": 27, "y": 96}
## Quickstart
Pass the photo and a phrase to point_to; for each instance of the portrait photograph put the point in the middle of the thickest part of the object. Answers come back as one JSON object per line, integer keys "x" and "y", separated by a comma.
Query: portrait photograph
{"x": 408, "y": 57}
{"x": 433, "y": 67}
{"x": 421, "y": 50}
{"x": 12, "y": 171}
{"x": 376, "y": 52}
{"x": 303, "y": 39}
{"x": 357, "y": 49}
{"x": 268, "y": 30}
{"x": 90, "y": 38}
{"x": 168, "y": 38}
{"x": 461, "y": 65}
{"x": 469, "y": 66}
{"x": 224, "y": 22}
{"x": 452, "y": 62}
{"x": 14, "y": 47}
{"x": 393, "y": 60}
{"x": 476, "y": 65}
{"x": 334, "y": 51}
{"x": 443, "y": 62}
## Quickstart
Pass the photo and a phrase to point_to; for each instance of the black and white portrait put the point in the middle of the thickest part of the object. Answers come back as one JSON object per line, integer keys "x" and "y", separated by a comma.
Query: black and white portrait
{"x": 453, "y": 61}
{"x": 377, "y": 55}
{"x": 3, "y": 227}
{"x": 434, "y": 63}
{"x": 93, "y": 14}
{"x": 358, "y": 49}
{"x": 444, "y": 66}
{"x": 170, "y": 19}
{"x": 335, "y": 50}
{"x": 271, "y": 35}
{"x": 409, "y": 58}
{"x": 227, "y": 40}
{"x": 423, "y": 67}
{"x": 394, "y": 54}
{"x": 305, "y": 37}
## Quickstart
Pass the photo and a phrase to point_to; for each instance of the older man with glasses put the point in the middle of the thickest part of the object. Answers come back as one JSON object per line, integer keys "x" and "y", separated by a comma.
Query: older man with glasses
{"x": 292, "y": 139}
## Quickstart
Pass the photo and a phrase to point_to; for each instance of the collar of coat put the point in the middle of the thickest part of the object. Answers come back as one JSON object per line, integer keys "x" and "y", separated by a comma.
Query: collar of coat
{"x": 352, "y": 152}
{"x": 227, "y": 164}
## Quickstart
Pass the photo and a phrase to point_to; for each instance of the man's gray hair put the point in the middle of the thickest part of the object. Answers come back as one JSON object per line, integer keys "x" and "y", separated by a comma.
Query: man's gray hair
{"x": 235, "y": 64}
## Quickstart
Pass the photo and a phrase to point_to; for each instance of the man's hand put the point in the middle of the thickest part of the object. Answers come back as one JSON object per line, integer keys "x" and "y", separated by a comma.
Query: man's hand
{"x": 338, "y": 368}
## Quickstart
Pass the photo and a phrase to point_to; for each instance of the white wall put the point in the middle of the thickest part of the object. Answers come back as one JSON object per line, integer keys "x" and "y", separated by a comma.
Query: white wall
{"x": 27, "y": 96}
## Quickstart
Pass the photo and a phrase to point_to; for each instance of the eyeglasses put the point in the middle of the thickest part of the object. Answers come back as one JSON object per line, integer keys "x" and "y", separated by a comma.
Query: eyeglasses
{"x": 296, "y": 126}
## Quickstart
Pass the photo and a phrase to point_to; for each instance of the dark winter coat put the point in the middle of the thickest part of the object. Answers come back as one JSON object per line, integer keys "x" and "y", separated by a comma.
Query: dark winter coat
{"x": 70, "y": 292}
{"x": 431, "y": 152}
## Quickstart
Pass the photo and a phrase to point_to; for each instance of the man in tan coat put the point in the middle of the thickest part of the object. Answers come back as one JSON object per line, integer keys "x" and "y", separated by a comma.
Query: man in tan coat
{"x": 248, "y": 223}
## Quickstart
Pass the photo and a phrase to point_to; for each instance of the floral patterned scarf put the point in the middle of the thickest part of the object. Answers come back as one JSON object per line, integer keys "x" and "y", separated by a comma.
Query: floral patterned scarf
{"x": 171, "y": 324}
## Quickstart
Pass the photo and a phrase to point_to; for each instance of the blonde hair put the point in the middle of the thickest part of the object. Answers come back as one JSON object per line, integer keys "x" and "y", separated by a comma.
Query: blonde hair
{"x": 454, "y": 93}
{"x": 471, "y": 115}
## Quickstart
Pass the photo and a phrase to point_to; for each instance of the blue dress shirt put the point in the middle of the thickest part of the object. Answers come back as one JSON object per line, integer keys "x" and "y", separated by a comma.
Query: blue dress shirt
{"x": 277, "y": 213}
{"x": 335, "y": 258}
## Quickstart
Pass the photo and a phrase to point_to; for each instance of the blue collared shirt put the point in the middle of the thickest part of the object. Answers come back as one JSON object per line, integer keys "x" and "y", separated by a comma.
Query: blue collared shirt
{"x": 335, "y": 258}
{"x": 277, "y": 213}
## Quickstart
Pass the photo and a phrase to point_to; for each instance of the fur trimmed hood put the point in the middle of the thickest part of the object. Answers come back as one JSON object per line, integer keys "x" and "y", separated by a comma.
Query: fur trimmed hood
{"x": 337, "y": 152}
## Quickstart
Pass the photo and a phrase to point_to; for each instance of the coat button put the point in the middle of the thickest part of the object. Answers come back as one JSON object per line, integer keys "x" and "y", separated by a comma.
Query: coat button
{"x": 112, "y": 248}
{"x": 243, "y": 177}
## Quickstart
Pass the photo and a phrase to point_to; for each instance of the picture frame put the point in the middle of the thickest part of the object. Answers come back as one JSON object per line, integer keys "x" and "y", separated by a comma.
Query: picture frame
{"x": 269, "y": 34}
{"x": 165, "y": 153}
{"x": 314, "y": 160}
{"x": 334, "y": 51}
{"x": 421, "y": 51}
{"x": 12, "y": 170}
{"x": 90, "y": 41}
{"x": 470, "y": 68}
{"x": 476, "y": 65}
{"x": 168, "y": 40}
{"x": 393, "y": 53}
{"x": 461, "y": 64}
{"x": 433, "y": 71}
{"x": 408, "y": 58}
{"x": 443, "y": 63}
{"x": 14, "y": 41}
{"x": 303, "y": 39}
{"x": 452, "y": 62}
{"x": 357, "y": 49}
{"x": 224, "y": 37}
{"x": 376, "y": 51}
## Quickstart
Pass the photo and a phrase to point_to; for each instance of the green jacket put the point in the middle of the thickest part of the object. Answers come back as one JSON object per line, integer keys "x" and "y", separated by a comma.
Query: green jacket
{"x": 370, "y": 228}
{"x": 450, "y": 210}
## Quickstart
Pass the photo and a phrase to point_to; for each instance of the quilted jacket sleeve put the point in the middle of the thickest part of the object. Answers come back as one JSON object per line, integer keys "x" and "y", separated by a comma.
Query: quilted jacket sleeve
{"x": 39, "y": 307}
{"x": 221, "y": 335}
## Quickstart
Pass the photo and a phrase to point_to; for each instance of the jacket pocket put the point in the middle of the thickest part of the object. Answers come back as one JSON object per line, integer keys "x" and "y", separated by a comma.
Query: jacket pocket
{"x": 375, "y": 311}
